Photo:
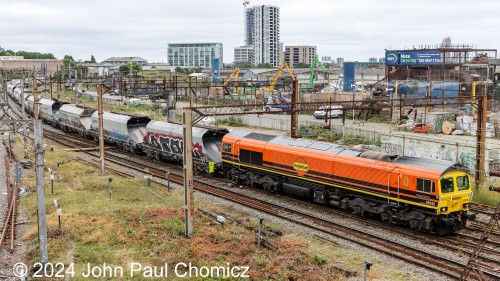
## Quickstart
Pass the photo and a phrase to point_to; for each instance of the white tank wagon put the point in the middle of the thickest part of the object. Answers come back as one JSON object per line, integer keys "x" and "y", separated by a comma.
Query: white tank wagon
{"x": 123, "y": 130}
{"x": 164, "y": 141}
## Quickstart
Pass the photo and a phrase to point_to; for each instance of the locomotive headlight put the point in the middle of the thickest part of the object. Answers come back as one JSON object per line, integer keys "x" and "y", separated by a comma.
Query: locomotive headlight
{"x": 444, "y": 209}
{"x": 465, "y": 205}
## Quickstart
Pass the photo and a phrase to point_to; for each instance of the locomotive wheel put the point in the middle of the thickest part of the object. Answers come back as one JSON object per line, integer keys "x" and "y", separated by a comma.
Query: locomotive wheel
{"x": 232, "y": 176}
{"x": 248, "y": 181}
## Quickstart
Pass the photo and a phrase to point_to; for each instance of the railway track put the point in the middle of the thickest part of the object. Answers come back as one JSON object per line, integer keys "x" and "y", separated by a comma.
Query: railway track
{"x": 483, "y": 209}
{"x": 403, "y": 252}
{"x": 9, "y": 227}
{"x": 407, "y": 253}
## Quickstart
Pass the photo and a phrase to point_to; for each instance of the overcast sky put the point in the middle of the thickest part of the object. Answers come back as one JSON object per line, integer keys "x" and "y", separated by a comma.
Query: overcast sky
{"x": 355, "y": 30}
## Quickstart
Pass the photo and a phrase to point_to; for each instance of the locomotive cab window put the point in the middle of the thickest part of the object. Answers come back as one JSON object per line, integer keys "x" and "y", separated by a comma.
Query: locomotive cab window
{"x": 227, "y": 147}
{"x": 463, "y": 183}
{"x": 446, "y": 185}
{"x": 427, "y": 186}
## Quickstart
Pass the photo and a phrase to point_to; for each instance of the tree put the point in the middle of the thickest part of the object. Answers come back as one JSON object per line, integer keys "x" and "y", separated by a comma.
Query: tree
{"x": 248, "y": 65}
{"x": 265, "y": 65}
{"x": 92, "y": 59}
{"x": 179, "y": 69}
{"x": 27, "y": 55}
{"x": 7, "y": 53}
{"x": 136, "y": 67}
{"x": 301, "y": 65}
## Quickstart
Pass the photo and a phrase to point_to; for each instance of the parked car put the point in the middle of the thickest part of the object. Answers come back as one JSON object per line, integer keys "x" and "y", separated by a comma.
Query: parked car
{"x": 336, "y": 111}
{"x": 135, "y": 101}
{"x": 207, "y": 120}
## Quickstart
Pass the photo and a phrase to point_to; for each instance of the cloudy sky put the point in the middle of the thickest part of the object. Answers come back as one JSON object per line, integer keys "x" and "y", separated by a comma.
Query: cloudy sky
{"x": 355, "y": 29}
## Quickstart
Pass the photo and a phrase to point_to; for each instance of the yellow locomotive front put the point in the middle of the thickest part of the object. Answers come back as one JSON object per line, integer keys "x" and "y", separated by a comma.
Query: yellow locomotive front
{"x": 455, "y": 194}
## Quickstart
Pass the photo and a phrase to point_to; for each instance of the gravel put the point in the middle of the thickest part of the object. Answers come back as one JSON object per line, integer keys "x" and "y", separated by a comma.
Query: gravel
{"x": 382, "y": 260}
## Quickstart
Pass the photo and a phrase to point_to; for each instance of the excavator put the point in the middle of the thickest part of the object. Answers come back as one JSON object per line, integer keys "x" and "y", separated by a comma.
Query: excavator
{"x": 275, "y": 79}
{"x": 310, "y": 85}
{"x": 275, "y": 101}
{"x": 234, "y": 75}
{"x": 224, "y": 89}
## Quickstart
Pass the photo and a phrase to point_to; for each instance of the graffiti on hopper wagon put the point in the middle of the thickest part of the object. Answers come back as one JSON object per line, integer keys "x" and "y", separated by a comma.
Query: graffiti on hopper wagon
{"x": 172, "y": 144}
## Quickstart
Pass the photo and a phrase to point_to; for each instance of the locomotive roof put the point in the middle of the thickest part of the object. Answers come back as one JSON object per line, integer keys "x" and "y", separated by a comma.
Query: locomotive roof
{"x": 440, "y": 166}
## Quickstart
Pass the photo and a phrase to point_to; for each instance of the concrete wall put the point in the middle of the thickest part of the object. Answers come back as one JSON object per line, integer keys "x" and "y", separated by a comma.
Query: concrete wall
{"x": 432, "y": 147}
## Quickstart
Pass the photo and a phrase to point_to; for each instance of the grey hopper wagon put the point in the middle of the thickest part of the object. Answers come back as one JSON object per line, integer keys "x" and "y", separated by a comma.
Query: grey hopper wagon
{"x": 48, "y": 108}
{"x": 124, "y": 130}
{"x": 165, "y": 141}
{"x": 75, "y": 118}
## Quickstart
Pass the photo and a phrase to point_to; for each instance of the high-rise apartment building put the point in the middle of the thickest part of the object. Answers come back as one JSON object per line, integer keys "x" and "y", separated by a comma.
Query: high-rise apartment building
{"x": 266, "y": 34}
{"x": 194, "y": 54}
{"x": 262, "y": 36}
{"x": 340, "y": 61}
{"x": 300, "y": 54}
{"x": 249, "y": 24}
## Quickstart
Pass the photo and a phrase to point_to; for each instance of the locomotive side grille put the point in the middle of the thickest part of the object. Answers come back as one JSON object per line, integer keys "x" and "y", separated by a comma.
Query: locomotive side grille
{"x": 259, "y": 137}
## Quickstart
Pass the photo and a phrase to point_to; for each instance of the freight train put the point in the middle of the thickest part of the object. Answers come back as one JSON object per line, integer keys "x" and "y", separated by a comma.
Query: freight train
{"x": 424, "y": 194}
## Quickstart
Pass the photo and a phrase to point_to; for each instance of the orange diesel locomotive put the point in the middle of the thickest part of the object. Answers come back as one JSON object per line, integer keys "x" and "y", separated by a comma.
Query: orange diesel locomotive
{"x": 425, "y": 194}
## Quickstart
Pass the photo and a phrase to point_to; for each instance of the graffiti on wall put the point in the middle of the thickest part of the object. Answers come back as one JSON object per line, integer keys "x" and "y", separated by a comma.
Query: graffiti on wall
{"x": 172, "y": 144}
{"x": 468, "y": 159}
{"x": 392, "y": 149}
{"x": 430, "y": 150}
{"x": 465, "y": 155}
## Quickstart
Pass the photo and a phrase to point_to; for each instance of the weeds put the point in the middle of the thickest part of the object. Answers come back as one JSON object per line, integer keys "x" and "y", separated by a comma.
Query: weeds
{"x": 232, "y": 121}
{"x": 317, "y": 132}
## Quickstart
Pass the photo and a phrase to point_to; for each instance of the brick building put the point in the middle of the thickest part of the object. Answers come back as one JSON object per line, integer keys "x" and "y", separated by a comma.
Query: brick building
{"x": 18, "y": 63}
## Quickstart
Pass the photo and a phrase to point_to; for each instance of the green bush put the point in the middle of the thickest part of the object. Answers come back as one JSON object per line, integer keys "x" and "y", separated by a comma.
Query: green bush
{"x": 232, "y": 121}
{"x": 318, "y": 133}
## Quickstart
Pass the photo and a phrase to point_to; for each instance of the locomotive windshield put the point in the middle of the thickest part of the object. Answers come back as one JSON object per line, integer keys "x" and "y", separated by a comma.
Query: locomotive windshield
{"x": 446, "y": 185}
{"x": 463, "y": 183}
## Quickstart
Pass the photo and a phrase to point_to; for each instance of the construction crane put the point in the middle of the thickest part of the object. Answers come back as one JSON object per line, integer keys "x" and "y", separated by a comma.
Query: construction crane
{"x": 310, "y": 85}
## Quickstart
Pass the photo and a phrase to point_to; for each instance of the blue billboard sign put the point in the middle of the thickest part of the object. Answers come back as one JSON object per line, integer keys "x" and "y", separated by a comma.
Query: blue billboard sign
{"x": 408, "y": 58}
{"x": 391, "y": 58}
{"x": 429, "y": 57}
